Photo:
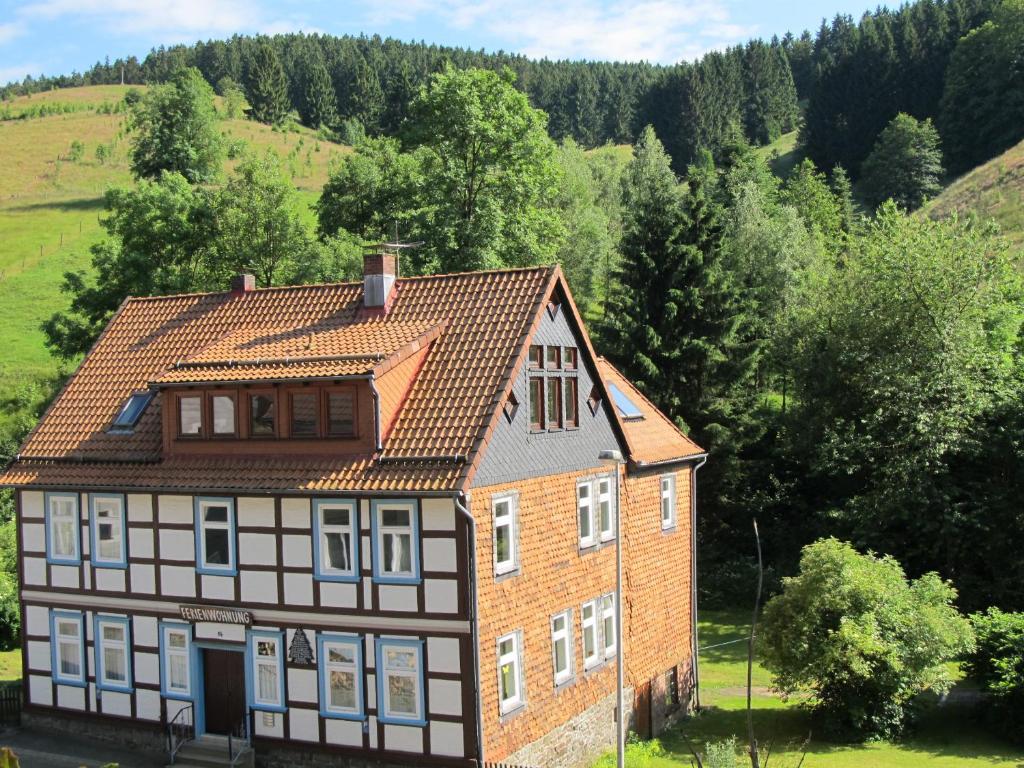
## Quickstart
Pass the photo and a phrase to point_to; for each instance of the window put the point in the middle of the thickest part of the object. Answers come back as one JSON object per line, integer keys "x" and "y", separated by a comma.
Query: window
{"x": 215, "y": 536}
{"x": 537, "y": 403}
{"x": 591, "y": 652}
{"x": 67, "y": 647}
{"x": 572, "y": 399}
{"x": 553, "y": 358}
{"x": 536, "y": 356}
{"x": 605, "y": 513}
{"x": 266, "y": 670}
{"x": 585, "y": 508}
{"x": 341, "y": 676}
{"x": 506, "y": 534}
{"x": 304, "y": 414}
{"x": 400, "y": 681}
{"x": 341, "y": 414}
{"x": 396, "y": 542}
{"x": 113, "y": 654}
{"x": 261, "y": 415}
{"x": 571, "y": 358}
{"x": 336, "y": 533}
{"x": 108, "y": 531}
{"x": 626, "y": 407}
{"x": 132, "y": 411}
{"x": 223, "y": 415}
{"x": 176, "y": 660}
{"x": 668, "y": 501}
{"x": 510, "y": 673}
{"x": 608, "y": 625}
{"x": 190, "y": 415}
{"x": 511, "y": 407}
{"x": 554, "y": 410}
{"x": 561, "y": 647}
{"x": 62, "y": 529}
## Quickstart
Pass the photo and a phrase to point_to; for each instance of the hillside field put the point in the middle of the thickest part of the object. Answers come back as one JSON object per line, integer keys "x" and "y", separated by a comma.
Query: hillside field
{"x": 50, "y": 206}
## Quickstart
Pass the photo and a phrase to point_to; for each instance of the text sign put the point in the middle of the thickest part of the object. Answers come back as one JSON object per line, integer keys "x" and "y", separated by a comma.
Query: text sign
{"x": 215, "y": 613}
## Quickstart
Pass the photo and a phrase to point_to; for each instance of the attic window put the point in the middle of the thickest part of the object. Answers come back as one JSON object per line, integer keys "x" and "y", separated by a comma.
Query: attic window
{"x": 132, "y": 410}
{"x": 626, "y": 407}
{"x": 594, "y": 401}
{"x": 510, "y": 407}
{"x": 553, "y": 306}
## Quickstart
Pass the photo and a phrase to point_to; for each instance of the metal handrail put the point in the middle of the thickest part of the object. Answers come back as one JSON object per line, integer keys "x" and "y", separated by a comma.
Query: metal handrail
{"x": 180, "y": 732}
{"x": 242, "y": 732}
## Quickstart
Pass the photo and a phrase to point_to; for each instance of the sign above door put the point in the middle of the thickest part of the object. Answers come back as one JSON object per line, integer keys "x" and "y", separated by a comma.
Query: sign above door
{"x": 215, "y": 613}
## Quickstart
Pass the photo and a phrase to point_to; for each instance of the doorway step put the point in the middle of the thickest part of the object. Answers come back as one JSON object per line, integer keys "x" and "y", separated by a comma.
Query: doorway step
{"x": 210, "y": 751}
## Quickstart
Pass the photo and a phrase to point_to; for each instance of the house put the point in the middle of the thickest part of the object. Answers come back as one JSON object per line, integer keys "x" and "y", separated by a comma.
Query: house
{"x": 361, "y": 520}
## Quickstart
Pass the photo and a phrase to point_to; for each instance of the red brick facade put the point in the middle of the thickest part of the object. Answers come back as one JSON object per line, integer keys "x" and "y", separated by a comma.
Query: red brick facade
{"x": 556, "y": 575}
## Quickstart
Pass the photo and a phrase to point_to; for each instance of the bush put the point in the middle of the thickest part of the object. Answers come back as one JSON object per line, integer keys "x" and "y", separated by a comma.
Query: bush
{"x": 639, "y": 753}
{"x": 77, "y": 151}
{"x": 862, "y": 638}
{"x": 721, "y": 754}
{"x": 905, "y": 164}
{"x": 998, "y": 664}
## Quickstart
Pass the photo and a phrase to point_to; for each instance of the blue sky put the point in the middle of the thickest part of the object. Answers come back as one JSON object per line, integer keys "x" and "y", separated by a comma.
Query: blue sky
{"x": 57, "y": 36}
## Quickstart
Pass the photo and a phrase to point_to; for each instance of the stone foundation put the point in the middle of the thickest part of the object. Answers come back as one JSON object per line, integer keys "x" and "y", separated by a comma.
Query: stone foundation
{"x": 123, "y": 733}
{"x": 279, "y": 756}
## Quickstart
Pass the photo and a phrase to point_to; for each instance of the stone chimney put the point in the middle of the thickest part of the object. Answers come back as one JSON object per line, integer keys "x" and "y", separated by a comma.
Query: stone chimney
{"x": 379, "y": 273}
{"x": 242, "y": 283}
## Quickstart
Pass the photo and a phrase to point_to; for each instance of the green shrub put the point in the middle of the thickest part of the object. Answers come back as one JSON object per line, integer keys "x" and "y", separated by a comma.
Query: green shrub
{"x": 77, "y": 151}
{"x": 998, "y": 664}
{"x": 721, "y": 754}
{"x": 639, "y": 753}
{"x": 861, "y": 638}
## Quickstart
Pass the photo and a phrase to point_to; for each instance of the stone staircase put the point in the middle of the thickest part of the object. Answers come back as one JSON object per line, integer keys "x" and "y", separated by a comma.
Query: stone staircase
{"x": 209, "y": 751}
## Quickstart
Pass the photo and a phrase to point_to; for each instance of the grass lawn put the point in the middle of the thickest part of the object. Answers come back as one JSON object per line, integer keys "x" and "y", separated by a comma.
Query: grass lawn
{"x": 10, "y": 665}
{"x": 782, "y": 155}
{"x": 946, "y": 738}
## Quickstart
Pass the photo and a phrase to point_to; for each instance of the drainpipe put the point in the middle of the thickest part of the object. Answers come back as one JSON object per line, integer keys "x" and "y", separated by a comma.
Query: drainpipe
{"x": 376, "y": 414}
{"x": 461, "y": 506}
{"x": 693, "y": 577}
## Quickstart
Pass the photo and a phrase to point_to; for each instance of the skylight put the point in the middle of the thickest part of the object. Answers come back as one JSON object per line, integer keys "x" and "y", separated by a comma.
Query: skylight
{"x": 626, "y": 407}
{"x": 131, "y": 411}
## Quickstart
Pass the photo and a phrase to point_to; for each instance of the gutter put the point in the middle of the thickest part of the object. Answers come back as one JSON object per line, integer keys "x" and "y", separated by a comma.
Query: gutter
{"x": 693, "y": 578}
{"x": 461, "y": 505}
{"x": 379, "y": 445}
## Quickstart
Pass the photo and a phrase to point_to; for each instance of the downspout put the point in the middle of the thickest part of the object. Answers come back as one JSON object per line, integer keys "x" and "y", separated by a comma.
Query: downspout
{"x": 693, "y": 579}
{"x": 461, "y": 506}
{"x": 376, "y": 414}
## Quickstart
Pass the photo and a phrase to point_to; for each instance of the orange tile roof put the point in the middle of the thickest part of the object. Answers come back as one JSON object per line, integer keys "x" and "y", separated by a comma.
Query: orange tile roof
{"x": 652, "y": 439}
{"x": 477, "y": 323}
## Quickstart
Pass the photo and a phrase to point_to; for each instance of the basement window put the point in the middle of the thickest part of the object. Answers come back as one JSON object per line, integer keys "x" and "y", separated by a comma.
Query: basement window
{"x": 132, "y": 411}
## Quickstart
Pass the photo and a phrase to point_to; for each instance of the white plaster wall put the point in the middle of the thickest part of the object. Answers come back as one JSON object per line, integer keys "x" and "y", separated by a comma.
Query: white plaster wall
{"x": 140, "y": 508}
{"x": 295, "y": 513}
{"x": 347, "y": 733}
{"x": 441, "y": 595}
{"x": 147, "y": 705}
{"x": 371, "y": 691}
{"x": 298, "y": 589}
{"x": 176, "y": 509}
{"x": 140, "y": 542}
{"x": 143, "y": 578}
{"x": 177, "y": 545}
{"x": 40, "y": 691}
{"x": 70, "y": 697}
{"x": 403, "y": 738}
{"x": 33, "y": 537}
{"x": 397, "y": 597}
{"x": 116, "y": 703}
{"x": 146, "y": 667}
{"x": 256, "y": 512}
{"x": 302, "y": 685}
{"x": 270, "y": 724}
{"x": 39, "y": 655}
{"x": 218, "y": 587}
{"x": 257, "y": 549}
{"x": 37, "y": 620}
{"x": 447, "y": 739}
{"x": 439, "y": 555}
{"x": 64, "y": 576}
{"x": 208, "y": 630}
{"x": 259, "y": 586}
{"x": 110, "y": 579}
{"x": 438, "y": 514}
{"x": 445, "y": 697}
{"x": 443, "y": 654}
{"x": 337, "y": 594}
{"x": 32, "y": 504}
{"x": 35, "y": 570}
{"x": 297, "y": 550}
{"x": 304, "y": 724}
{"x": 368, "y": 594}
{"x": 177, "y": 581}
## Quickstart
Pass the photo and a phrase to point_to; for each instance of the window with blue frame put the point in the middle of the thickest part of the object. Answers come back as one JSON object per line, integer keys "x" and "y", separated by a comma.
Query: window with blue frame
{"x": 341, "y": 676}
{"x": 265, "y": 671}
{"x": 400, "y": 681}
{"x": 67, "y": 647}
{"x": 215, "y": 536}
{"x": 336, "y": 537}
{"x": 396, "y": 542}
{"x": 62, "y": 529}
{"x": 112, "y": 643}
{"x": 176, "y": 660}
{"x": 107, "y": 526}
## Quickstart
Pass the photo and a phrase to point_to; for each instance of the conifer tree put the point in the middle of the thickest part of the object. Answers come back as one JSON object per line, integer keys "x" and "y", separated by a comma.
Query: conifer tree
{"x": 267, "y": 85}
{"x": 843, "y": 191}
{"x": 317, "y": 105}
{"x": 905, "y": 164}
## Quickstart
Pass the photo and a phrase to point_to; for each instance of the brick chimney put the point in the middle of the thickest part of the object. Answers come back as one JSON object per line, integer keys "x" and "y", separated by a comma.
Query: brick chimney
{"x": 242, "y": 283}
{"x": 379, "y": 273}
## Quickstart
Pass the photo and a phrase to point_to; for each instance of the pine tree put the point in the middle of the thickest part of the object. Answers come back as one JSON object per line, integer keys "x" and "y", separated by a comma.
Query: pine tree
{"x": 843, "y": 191}
{"x": 267, "y": 85}
{"x": 317, "y": 105}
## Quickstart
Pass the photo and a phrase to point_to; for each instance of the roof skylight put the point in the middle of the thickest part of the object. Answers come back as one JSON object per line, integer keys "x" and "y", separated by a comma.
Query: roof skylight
{"x": 132, "y": 410}
{"x": 626, "y": 407}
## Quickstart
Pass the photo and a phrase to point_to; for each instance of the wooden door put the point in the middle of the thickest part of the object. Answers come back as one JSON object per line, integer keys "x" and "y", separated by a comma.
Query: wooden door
{"x": 224, "y": 689}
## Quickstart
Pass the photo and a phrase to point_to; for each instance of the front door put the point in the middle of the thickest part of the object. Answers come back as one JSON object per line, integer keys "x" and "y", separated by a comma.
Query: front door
{"x": 224, "y": 689}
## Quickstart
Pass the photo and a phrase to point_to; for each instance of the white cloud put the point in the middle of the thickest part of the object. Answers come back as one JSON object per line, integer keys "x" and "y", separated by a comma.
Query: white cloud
{"x": 17, "y": 72}
{"x": 10, "y": 30}
{"x": 662, "y": 31}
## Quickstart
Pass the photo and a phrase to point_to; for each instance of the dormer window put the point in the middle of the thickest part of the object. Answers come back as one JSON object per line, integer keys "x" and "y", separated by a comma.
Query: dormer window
{"x": 190, "y": 415}
{"x": 305, "y": 414}
{"x": 132, "y": 411}
{"x": 261, "y": 415}
{"x": 223, "y": 415}
{"x": 341, "y": 414}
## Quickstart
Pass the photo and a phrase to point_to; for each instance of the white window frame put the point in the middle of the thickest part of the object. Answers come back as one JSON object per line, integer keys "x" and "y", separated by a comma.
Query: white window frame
{"x": 514, "y": 657}
{"x": 167, "y": 653}
{"x": 355, "y": 644}
{"x": 385, "y": 713}
{"x": 322, "y": 571}
{"x": 256, "y": 637}
{"x": 102, "y": 645}
{"x": 119, "y": 522}
{"x": 511, "y": 565}
{"x": 608, "y": 645}
{"x": 563, "y": 635}
{"x": 380, "y": 574}
{"x": 590, "y": 539}
{"x": 604, "y": 496}
{"x": 75, "y": 522}
{"x": 201, "y": 526}
{"x": 57, "y": 617}
{"x": 668, "y": 493}
{"x": 591, "y": 624}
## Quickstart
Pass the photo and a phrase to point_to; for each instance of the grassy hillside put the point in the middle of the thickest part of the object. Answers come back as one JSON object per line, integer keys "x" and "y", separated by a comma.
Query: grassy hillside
{"x": 50, "y": 206}
{"x": 782, "y": 155}
{"x": 994, "y": 190}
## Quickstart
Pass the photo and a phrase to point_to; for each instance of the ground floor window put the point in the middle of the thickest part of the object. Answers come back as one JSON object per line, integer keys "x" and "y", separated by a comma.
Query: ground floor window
{"x": 400, "y": 681}
{"x": 176, "y": 660}
{"x": 608, "y": 625}
{"x": 561, "y": 647}
{"x": 510, "y": 672}
{"x": 266, "y": 671}
{"x": 67, "y": 643}
{"x": 341, "y": 676}
{"x": 113, "y": 653}
{"x": 588, "y": 619}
